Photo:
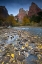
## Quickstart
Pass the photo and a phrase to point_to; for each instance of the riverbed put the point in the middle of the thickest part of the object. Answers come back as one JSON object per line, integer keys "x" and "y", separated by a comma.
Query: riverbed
{"x": 21, "y": 44}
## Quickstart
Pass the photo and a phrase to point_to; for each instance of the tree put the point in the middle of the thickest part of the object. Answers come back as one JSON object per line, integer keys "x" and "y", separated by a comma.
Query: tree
{"x": 37, "y": 18}
{"x": 10, "y": 20}
{"x": 2, "y": 21}
{"x": 26, "y": 21}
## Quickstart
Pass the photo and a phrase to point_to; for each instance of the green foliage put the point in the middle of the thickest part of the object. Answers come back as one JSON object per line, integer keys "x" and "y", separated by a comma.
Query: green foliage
{"x": 40, "y": 14}
{"x": 37, "y": 18}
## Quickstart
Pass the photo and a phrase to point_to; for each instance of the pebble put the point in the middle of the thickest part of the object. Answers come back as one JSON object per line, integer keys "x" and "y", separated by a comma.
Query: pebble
{"x": 11, "y": 51}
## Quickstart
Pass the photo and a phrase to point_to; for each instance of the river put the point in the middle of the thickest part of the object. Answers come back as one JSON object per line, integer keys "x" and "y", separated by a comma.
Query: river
{"x": 15, "y": 38}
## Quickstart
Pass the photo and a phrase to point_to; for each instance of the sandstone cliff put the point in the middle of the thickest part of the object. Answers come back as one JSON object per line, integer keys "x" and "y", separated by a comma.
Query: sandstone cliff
{"x": 33, "y": 9}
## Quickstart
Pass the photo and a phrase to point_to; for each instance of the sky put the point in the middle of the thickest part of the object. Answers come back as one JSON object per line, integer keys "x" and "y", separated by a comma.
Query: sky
{"x": 13, "y": 6}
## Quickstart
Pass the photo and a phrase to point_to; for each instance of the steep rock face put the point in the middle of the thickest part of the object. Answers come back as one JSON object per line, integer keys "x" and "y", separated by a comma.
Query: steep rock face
{"x": 21, "y": 14}
{"x": 33, "y": 10}
{"x": 3, "y": 11}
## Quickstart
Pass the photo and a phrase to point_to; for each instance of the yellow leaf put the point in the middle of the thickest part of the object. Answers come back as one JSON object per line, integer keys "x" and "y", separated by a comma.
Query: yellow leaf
{"x": 26, "y": 44}
{"x": 12, "y": 55}
{"x": 23, "y": 47}
{"x": 0, "y": 50}
{"x": 40, "y": 46}
{"x": 8, "y": 54}
{"x": 3, "y": 62}
{"x": 13, "y": 61}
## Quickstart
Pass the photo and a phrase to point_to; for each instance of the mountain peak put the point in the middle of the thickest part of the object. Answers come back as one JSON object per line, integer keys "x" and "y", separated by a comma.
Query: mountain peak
{"x": 32, "y": 3}
{"x": 33, "y": 9}
{"x": 3, "y": 11}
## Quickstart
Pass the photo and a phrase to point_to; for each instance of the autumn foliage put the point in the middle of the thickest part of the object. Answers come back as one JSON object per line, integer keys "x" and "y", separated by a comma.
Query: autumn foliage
{"x": 10, "y": 21}
{"x": 25, "y": 21}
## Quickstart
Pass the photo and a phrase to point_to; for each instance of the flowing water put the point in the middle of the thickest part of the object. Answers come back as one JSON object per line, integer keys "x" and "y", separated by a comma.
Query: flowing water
{"x": 9, "y": 37}
{"x": 32, "y": 30}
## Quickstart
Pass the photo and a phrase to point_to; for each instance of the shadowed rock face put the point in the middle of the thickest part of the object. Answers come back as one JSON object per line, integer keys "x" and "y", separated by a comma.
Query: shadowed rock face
{"x": 33, "y": 10}
{"x": 3, "y": 11}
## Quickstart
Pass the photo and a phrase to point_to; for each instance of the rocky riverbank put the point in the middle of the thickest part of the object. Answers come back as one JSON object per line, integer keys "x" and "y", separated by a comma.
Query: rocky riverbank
{"x": 20, "y": 47}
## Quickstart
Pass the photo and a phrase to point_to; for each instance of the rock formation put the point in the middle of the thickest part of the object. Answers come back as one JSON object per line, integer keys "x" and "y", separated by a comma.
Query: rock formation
{"x": 3, "y": 11}
{"x": 21, "y": 14}
{"x": 33, "y": 10}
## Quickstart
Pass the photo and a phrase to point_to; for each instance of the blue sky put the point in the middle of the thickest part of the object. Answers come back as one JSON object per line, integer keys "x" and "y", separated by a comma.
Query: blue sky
{"x": 13, "y": 6}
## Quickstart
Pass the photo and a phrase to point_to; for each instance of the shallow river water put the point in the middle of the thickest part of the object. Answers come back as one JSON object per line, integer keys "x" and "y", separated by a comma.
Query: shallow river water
{"x": 32, "y": 30}
{"x": 29, "y": 40}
